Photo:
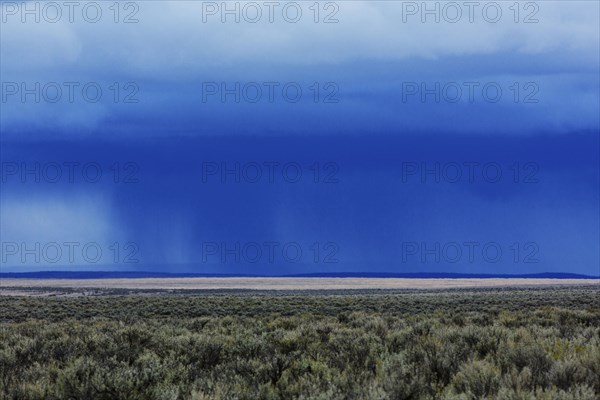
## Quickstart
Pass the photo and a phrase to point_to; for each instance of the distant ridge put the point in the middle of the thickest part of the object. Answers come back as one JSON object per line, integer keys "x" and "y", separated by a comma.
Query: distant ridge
{"x": 415, "y": 275}
{"x": 447, "y": 275}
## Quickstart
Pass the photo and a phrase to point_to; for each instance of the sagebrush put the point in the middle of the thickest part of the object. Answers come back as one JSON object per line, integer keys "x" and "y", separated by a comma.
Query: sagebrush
{"x": 454, "y": 344}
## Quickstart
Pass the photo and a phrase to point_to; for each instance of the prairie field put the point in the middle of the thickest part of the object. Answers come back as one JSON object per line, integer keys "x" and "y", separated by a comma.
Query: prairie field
{"x": 404, "y": 343}
{"x": 287, "y": 283}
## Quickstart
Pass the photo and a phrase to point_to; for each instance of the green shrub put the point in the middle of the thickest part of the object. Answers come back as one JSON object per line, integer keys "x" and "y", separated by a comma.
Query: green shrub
{"x": 462, "y": 344}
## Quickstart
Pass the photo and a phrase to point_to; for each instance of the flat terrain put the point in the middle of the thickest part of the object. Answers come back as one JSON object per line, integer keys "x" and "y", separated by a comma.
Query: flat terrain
{"x": 15, "y": 286}
{"x": 534, "y": 342}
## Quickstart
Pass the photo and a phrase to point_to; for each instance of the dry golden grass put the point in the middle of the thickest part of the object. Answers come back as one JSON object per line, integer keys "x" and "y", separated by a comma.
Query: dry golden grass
{"x": 283, "y": 283}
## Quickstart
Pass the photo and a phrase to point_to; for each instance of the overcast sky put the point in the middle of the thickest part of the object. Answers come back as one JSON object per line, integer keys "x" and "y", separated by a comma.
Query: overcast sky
{"x": 183, "y": 83}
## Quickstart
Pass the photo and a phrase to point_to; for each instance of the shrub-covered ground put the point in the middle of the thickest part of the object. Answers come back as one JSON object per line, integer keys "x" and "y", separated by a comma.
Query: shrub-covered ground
{"x": 541, "y": 343}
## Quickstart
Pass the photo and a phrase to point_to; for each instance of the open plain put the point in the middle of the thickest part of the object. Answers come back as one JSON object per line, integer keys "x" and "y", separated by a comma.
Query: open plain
{"x": 16, "y": 286}
{"x": 204, "y": 340}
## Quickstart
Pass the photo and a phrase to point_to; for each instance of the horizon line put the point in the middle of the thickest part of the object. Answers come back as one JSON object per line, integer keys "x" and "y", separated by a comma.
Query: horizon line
{"x": 148, "y": 274}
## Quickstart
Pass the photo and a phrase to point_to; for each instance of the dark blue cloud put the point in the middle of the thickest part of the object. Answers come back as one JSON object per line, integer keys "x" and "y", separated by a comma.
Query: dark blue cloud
{"x": 401, "y": 165}
{"x": 374, "y": 199}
